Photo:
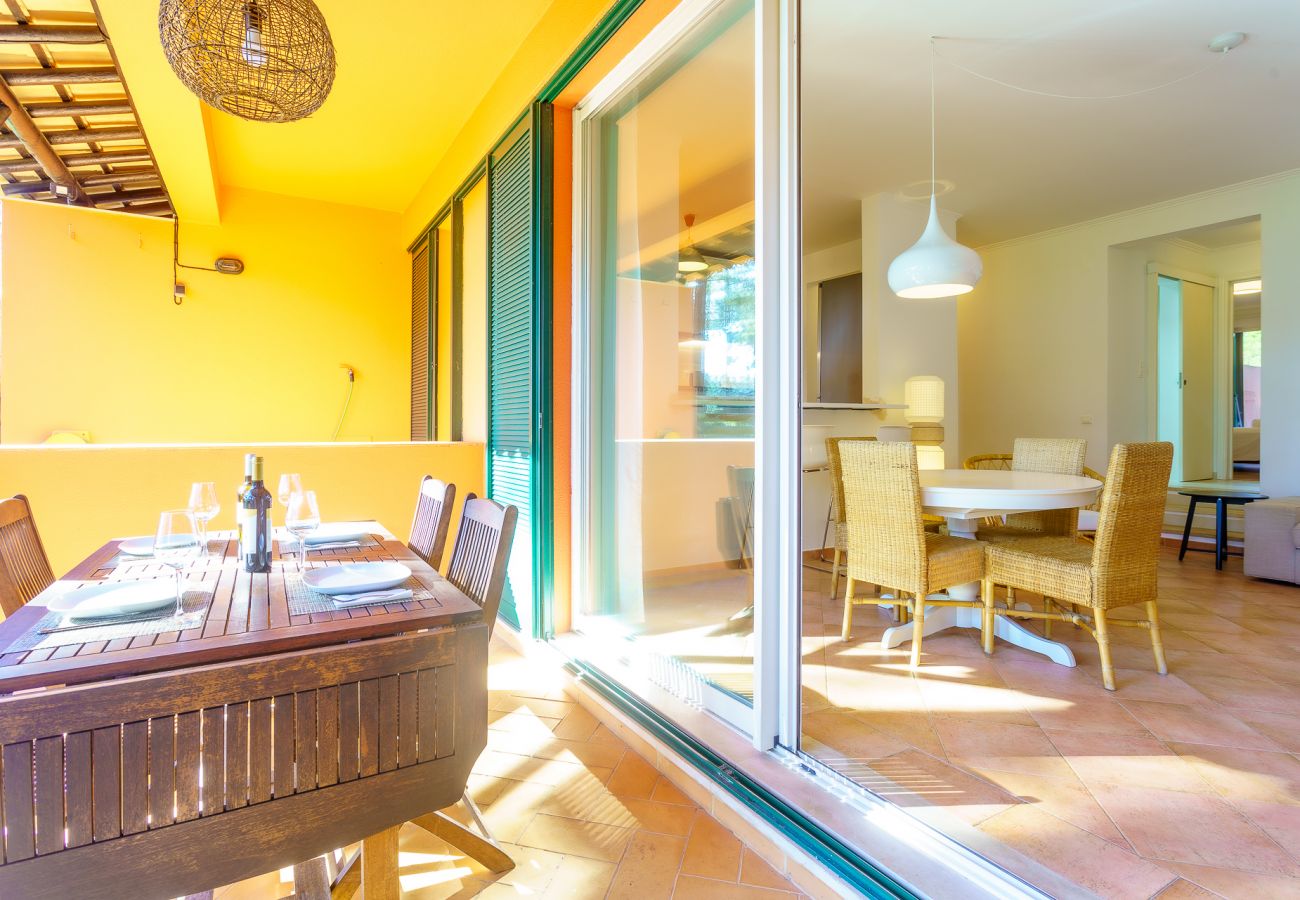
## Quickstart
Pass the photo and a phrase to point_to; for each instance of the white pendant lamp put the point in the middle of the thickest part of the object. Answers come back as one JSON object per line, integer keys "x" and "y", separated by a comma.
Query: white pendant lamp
{"x": 936, "y": 265}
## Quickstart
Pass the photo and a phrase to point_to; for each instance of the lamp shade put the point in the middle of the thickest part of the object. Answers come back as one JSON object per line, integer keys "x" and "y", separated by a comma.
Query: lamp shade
{"x": 935, "y": 266}
{"x": 923, "y": 395}
{"x": 929, "y": 458}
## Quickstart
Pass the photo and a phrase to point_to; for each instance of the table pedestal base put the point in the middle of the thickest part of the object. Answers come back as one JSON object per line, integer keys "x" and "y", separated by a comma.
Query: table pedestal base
{"x": 941, "y": 618}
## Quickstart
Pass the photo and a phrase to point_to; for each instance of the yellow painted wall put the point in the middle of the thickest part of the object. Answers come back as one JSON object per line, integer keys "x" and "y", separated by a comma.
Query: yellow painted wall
{"x": 558, "y": 33}
{"x": 91, "y": 341}
{"x": 84, "y": 495}
{"x": 474, "y": 315}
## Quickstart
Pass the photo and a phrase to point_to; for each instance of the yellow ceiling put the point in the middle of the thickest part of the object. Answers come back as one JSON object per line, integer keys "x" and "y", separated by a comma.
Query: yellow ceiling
{"x": 410, "y": 74}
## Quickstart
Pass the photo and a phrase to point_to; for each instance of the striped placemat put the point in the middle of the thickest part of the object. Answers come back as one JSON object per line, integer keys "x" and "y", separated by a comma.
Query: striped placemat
{"x": 195, "y": 603}
{"x": 304, "y": 601}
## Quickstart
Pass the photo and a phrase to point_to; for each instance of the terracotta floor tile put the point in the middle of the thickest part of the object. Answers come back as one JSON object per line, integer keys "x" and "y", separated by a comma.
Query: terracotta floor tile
{"x": 1105, "y": 716}
{"x": 662, "y": 818}
{"x": 580, "y": 879}
{"x": 633, "y": 777}
{"x": 1283, "y": 729}
{"x": 754, "y": 871}
{"x": 666, "y": 792}
{"x": 1232, "y": 884}
{"x": 1126, "y": 759}
{"x": 1087, "y": 860}
{"x": 1245, "y": 774}
{"x": 912, "y": 728}
{"x": 850, "y": 737}
{"x": 1280, "y": 821}
{"x": 1197, "y": 724}
{"x": 1199, "y": 829}
{"x": 911, "y": 779}
{"x": 1144, "y": 684}
{"x": 1065, "y": 798}
{"x": 712, "y": 851}
{"x": 602, "y": 755}
{"x": 691, "y": 887}
{"x": 1250, "y": 693}
{"x": 571, "y": 836}
{"x": 648, "y": 870}
{"x": 578, "y": 725}
{"x": 1182, "y": 889}
{"x": 994, "y": 745}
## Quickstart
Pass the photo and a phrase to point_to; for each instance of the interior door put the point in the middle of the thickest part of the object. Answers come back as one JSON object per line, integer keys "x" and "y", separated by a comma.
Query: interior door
{"x": 1197, "y": 381}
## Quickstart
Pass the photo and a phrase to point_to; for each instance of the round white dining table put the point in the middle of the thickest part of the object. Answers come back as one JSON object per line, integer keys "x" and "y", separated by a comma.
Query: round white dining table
{"x": 964, "y": 497}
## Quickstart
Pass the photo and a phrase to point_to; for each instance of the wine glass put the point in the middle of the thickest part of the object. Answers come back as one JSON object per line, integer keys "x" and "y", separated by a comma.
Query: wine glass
{"x": 204, "y": 506}
{"x": 175, "y": 544}
{"x": 302, "y": 518}
{"x": 290, "y": 484}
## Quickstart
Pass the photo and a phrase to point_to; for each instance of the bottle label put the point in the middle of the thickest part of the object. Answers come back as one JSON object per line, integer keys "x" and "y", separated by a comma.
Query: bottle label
{"x": 247, "y": 521}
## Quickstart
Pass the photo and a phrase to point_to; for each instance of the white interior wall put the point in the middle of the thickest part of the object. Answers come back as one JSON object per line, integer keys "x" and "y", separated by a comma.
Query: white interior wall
{"x": 1056, "y": 330}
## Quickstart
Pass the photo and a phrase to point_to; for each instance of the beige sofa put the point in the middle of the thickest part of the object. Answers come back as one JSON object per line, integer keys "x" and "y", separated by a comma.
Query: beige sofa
{"x": 1273, "y": 539}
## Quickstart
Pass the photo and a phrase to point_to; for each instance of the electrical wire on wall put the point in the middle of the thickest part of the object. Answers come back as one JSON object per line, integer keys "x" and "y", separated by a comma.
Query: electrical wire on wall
{"x": 347, "y": 399}
{"x": 226, "y": 265}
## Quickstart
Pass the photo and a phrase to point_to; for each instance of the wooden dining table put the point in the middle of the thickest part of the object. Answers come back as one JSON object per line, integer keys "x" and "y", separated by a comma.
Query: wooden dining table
{"x": 276, "y": 729}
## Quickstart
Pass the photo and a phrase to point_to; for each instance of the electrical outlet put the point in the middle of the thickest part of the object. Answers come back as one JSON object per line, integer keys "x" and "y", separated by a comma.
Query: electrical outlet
{"x": 1085, "y": 420}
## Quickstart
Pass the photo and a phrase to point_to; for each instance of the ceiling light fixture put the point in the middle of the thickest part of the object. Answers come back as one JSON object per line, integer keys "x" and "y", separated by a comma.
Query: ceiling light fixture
{"x": 262, "y": 60}
{"x": 690, "y": 259}
{"x": 1245, "y": 288}
{"x": 935, "y": 266}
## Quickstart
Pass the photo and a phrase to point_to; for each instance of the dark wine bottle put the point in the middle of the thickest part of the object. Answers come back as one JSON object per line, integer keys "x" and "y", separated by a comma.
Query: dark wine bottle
{"x": 254, "y": 514}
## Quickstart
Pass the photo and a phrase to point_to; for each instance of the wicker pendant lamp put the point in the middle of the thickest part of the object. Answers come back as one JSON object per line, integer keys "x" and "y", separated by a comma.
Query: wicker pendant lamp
{"x": 263, "y": 60}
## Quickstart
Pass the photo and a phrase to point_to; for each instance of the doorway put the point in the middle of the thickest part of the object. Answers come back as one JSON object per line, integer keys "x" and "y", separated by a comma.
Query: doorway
{"x": 1185, "y": 373}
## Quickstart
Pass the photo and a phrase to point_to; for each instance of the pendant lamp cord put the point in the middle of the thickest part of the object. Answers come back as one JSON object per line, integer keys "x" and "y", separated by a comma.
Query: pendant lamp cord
{"x": 932, "y": 169}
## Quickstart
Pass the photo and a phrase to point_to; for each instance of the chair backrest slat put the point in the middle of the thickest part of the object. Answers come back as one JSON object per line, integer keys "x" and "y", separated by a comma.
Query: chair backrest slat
{"x": 478, "y": 560}
{"x": 24, "y": 568}
{"x": 432, "y": 518}
{"x": 882, "y": 504}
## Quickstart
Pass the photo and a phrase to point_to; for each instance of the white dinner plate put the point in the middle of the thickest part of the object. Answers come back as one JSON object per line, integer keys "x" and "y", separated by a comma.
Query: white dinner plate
{"x": 115, "y": 598}
{"x": 337, "y": 533}
{"x": 138, "y": 546}
{"x": 356, "y": 578}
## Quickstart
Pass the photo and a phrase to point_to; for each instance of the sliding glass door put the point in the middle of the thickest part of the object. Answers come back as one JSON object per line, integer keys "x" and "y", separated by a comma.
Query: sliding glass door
{"x": 670, "y": 363}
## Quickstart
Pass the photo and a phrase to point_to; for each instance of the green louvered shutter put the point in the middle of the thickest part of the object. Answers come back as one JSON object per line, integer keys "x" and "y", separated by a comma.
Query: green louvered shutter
{"x": 421, "y": 397}
{"x": 518, "y": 470}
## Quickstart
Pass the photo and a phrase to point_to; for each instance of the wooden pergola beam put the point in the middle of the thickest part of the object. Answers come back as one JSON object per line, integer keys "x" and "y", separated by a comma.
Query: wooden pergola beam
{"x": 90, "y": 181}
{"x": 75, "y": 108}
{"x": 119, "y": 197}
{"x": 151, "y": 209}
{"x": 86, "y": 75}
{"x": 23, "y": 188}
{"x": 37, "y": 144}
{"x": 50, "y": 34}
{"x": 14, "y": 166}
{"x": 71, "y": 136}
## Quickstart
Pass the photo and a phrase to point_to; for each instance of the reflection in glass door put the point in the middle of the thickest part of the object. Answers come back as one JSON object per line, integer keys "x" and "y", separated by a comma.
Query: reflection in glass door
{"x": 671, "y": 328}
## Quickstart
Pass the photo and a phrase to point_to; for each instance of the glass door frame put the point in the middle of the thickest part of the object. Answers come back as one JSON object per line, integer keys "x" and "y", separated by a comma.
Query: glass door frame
{"x": 773, "y": 718}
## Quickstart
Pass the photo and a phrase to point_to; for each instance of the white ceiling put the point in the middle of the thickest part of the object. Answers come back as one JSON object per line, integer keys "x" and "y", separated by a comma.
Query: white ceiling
{"x": 1023, "y": 163}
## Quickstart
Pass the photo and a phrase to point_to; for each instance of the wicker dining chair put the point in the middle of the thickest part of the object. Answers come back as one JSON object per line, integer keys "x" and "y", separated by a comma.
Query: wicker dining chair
{"x": 888, "y": 543}
{"x": 837, "y": 505}
{"x": 24, "y": 567}
{"x": 1118, "y": 568}
{"x": 432, "y": 518}
{"x": 1088, "y": 515}
{"x": 1058, "y": 456}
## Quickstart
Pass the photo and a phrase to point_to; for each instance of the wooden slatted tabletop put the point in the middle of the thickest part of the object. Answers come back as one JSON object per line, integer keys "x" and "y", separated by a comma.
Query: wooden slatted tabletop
{"x": 248, "y": 616}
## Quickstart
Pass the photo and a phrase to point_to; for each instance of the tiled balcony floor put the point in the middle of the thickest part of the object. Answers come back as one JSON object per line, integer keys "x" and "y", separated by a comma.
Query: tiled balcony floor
{"x": 582, "y": 815}
{"x": 1184, "y": 785}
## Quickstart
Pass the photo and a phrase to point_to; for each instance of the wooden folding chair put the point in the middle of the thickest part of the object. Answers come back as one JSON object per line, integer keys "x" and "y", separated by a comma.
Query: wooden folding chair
{"x": 24, "y": 568}
{"x": 432, "y": 516}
